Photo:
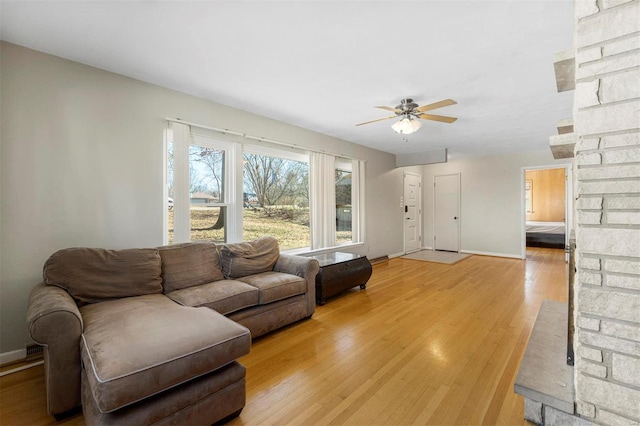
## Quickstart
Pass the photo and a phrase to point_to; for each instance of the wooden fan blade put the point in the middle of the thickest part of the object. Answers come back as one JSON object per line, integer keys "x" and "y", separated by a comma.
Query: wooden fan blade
{"x": 441, "y": 118}
{"x": 397, "y": 111}
{"x": 379, "y": 119}
{"x": 435, "y": 105}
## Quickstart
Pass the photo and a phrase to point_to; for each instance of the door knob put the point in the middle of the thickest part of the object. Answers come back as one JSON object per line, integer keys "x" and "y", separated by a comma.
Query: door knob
{"x": 455, "y": 217}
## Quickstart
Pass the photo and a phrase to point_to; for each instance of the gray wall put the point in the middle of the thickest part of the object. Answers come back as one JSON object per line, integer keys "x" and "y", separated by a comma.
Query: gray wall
{"x": 491, "y": 199}
{"x": 81, "y": 165}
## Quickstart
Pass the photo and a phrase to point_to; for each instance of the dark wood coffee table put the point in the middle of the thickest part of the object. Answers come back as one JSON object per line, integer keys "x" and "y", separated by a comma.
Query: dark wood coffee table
{"x": 340, "y": 272}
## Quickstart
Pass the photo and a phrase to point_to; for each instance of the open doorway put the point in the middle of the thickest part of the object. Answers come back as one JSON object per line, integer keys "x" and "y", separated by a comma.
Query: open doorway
{"x": 546, "y": 216}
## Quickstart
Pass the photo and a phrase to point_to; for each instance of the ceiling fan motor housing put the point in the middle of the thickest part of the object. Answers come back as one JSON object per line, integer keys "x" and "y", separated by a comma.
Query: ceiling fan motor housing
{"x": 406, "y": 106}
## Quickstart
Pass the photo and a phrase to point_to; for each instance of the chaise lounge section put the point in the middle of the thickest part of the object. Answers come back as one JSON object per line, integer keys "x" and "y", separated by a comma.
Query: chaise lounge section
{"x": 146, "y": 336}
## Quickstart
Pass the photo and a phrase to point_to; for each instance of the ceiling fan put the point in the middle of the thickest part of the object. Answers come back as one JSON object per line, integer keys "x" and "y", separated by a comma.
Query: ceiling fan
{"x": 410, "y": 111}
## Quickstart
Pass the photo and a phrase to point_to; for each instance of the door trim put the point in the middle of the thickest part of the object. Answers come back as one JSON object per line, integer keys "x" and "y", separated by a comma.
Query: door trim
{"x": 418, "y": 216}
{"x": 459, "y": 209}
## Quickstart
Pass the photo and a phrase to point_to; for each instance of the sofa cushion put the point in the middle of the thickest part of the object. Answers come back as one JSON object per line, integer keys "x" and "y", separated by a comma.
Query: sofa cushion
{"x": 248, "y": 258}
{"x": 135, "y": 347}
{"x": 276, "y": 285}
{"x": 224, "y": 296}
{"x": 189, "y": 264}
{"x": 95, "y": 274}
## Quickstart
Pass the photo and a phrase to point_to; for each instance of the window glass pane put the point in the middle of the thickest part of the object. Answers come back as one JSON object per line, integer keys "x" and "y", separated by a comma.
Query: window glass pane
{"x": 206, "y": 192}
{"x": 276, "y": 200}
{"x": 343, "y": 206}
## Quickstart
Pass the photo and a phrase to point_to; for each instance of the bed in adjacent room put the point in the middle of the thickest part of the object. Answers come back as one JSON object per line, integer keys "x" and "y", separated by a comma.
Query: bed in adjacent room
{"x": 546, "y": 234}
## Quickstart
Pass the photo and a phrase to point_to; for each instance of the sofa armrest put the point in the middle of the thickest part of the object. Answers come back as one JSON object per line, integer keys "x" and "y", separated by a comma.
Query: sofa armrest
{"x": 304, "y": 267}
{"x": 55, "y": 322}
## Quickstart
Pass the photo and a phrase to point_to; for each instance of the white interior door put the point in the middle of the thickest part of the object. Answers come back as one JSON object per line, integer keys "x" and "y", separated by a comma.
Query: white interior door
{"x": 412, "y": 211}
{"x": 446, "y": 229}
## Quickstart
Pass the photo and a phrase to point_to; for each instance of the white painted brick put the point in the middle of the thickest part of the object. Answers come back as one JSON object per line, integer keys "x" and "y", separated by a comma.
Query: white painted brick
{"x": 608, "y": 4}
{"x": 586, "y": 144}
{"x": 609, "y": 342}
{"x": 611, "y": 419}
{"x": 616, "y": 141}
{"x": 608, "y": 118}
{"x": 617, "y": 156}
{"x": 609, "y": 187}
{"x": 621, "y": 281}
{"x": 589, "y": 159}
{"x": 589, "y": 54}
{"x": 610, "y": 304}
{"x": 592, "y": 369}
{"x": 626, "y": 369}
{"x": 622, "y": 266}
{"x": 614, "y": 242}
{"x": 589, "y": 323}
{"x": 607, "y": 65}
{"x": 590, "y": 263}
{"x": 586, "y": 409}
{"x": 620, "y": 330}
{"x": 585, "y": 8}
{"x": 589, "y": 278}
{"x": 553, "y": 416}
{"x": 589, "y": 218}
{"x": 609, "y": 395}
{"x": 586, "y": 94}
{"x": 610, "y": 24}
{"x": 621, "y": 45}
{"x": 623, "y": 203}
{"x": 589, "y": 203}
{"x": 589, "y": 353}
{"x": 619, "y": 87}
{"x": 610, "y": 172}
{"x": 623, "y": 218}
{"x": 533, "y": 411}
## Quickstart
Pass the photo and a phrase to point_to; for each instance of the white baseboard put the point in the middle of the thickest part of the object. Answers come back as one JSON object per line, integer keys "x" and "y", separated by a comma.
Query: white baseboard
{"x": 12, "y": 356}
{"x": 427, "y": 248}
{"x": 488, "y": 253}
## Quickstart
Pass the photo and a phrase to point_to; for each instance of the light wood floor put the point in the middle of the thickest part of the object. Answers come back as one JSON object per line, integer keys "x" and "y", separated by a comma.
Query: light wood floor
{"x": 425, "y": 343}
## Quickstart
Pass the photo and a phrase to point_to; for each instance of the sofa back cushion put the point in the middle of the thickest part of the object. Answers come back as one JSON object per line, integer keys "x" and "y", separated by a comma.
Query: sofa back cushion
{"x": 189, "y": 264}
{"x": 248, "y": 258}
{"x": 94, "y": 274}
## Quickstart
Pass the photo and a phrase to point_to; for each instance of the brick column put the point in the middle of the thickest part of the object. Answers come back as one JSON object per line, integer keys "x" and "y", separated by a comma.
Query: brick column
{"x": 607, "y": 127}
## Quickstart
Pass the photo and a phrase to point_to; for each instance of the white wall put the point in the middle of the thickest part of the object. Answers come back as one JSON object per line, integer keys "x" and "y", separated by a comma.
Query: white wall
{"x": 490, "y": 210}
{"x": 81, "y": 165}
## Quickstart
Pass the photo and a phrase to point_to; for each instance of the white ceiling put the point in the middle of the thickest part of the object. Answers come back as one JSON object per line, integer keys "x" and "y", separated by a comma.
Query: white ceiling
{"x": 323, "y": 65}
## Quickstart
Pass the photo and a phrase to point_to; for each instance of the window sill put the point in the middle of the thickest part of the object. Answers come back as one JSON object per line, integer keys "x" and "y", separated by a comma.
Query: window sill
{"x": 306, "y": 251}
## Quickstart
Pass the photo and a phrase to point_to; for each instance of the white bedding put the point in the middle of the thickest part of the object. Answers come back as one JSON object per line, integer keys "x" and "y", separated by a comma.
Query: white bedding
{"x": 546, "y": 227}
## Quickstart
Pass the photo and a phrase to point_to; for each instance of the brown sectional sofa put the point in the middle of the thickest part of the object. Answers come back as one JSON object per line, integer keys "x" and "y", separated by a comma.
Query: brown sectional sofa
{"x": 144, "y": 336}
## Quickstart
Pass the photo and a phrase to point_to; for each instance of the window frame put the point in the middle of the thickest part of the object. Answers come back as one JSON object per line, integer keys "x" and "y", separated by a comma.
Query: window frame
{"x": 235, "y": 146}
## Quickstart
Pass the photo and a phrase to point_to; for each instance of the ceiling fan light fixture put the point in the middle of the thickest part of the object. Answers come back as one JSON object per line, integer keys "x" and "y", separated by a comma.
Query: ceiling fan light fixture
{"x": 406, "y": 126}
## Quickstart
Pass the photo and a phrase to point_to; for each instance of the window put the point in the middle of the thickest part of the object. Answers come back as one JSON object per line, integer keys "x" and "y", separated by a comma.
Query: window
{"x": 231, "y": 191}
{"x": 276, "y": 198}
{"x": 206, "y": 193}
{"x": 196, "y": 189}
{"x": 344, "y": 210}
